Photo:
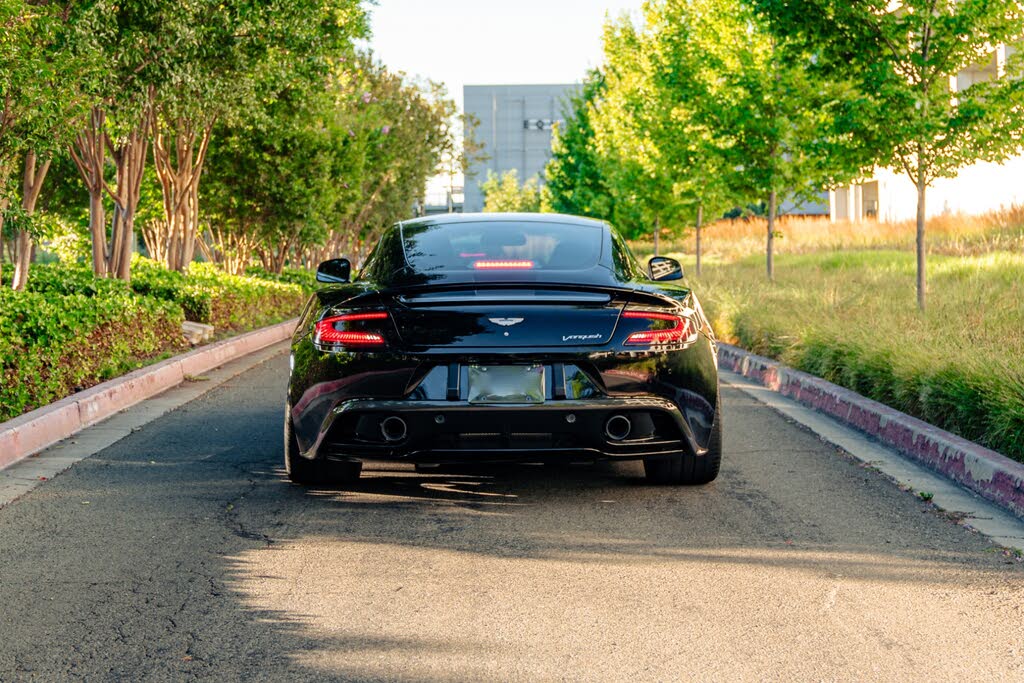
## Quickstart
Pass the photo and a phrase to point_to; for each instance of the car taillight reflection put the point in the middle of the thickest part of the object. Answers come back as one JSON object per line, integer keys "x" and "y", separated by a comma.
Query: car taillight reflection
{"x": 666, "y": 328}
{"x": 336, "y": 330}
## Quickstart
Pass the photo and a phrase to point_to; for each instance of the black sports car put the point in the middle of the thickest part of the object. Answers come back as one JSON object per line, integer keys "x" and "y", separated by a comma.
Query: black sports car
{"x": 503, "y": 337}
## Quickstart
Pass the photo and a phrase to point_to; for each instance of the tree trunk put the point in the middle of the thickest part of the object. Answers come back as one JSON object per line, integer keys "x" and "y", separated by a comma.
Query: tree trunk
{"x": 89, "y": 153}
{"x": 98, "y": 230}
{"x": 179, "y": 171}
{"x": 770, "y": 250}
{"x": 33, "y": 184}
{"x": 657, "y": 229}
{"x": 922, "y": 187}
{"x": 22, "y": 259}
{"x": 113, "y": 257}
{"x": 700, "y": 221}
{"x": 154, "y": 236}
{"x": 4, "y": 203}
{"x": 130, "y": 164}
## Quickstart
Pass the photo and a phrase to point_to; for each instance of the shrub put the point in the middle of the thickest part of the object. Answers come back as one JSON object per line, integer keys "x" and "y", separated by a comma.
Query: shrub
{"x": 71, "y": 330}
{"x": 64, "y": 279}
{"x": 208, "y": 295}
{"x": 52, "y": 344}
{"x": 296, "y": 276}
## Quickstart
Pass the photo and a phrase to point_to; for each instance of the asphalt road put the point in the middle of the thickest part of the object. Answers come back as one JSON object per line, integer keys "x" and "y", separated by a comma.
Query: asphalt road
{"x": 181, "y": 552}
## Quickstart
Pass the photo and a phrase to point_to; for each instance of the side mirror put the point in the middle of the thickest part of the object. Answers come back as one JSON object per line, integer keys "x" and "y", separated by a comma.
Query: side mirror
{"x": 663, "y": 268}
{"x": 335, "y": 270}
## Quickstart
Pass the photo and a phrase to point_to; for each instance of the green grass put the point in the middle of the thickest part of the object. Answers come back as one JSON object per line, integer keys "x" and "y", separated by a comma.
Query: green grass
{"x": 851, "y": 317}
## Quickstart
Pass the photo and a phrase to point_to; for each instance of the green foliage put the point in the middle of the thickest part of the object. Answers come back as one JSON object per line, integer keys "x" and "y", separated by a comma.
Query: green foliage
{"x": 208, "y": 295}
{"x": 697, "y": 109}
{"x": 344, "y": 159}
{"x": 67, "y": 240}
{"x": 52, "y": 344}
{"x": 308, "y": 139}
{"x": 576, "y": 181}
{"x": 504, "y": 193}
{"x": 754, "y": 92}
{"x": 914, "y": 108}
{"x": 14, "y": 218}
{"x": 71, "y": 330}
{"x": 68, "y": 279}
{"x": 295, "y": 276}
{"x": 643, "y": 192}
{"x": 904, "y": 113}
{"x": 48, "y": 52}
{"x": 842, "y": 316}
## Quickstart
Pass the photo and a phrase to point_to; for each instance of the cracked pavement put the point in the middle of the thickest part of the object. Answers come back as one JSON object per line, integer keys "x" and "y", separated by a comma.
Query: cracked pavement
{"x": 182, "y": 553}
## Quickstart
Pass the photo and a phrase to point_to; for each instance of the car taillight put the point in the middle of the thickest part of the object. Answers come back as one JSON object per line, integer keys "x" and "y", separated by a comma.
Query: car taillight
{"x": 503, "y": 265}
{"x": 666, "y": 328}
{"x": 337, "y": 330}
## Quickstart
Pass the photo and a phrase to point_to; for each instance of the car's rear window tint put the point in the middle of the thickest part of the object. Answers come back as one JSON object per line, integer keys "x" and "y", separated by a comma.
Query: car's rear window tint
{"x": 540, "y": 246}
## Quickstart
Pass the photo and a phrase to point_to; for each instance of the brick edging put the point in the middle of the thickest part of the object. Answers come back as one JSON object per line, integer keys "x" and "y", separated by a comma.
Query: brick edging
{"x": 43, "y": 427}
{"x": 984, "y": 471}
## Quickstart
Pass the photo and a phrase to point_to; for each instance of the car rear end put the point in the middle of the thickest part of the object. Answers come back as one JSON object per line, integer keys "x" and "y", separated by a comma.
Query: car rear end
{"x": 497, "y": 351}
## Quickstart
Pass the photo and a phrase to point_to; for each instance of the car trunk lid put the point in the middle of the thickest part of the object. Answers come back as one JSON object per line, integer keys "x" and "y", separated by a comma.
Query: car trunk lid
{"x": 507, "y": 317}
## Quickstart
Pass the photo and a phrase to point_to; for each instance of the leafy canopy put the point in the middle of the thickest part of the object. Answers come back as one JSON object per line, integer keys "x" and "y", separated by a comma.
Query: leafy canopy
{"x": 504, "y": 193}
{"x": 904, "y": 57}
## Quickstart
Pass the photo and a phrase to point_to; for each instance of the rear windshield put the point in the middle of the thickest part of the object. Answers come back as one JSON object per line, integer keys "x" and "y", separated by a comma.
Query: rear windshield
{"x": 502, "y": 245}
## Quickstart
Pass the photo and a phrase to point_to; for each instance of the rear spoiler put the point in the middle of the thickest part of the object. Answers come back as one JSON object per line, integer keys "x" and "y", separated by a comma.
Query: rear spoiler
{"x": 505, "y": 295}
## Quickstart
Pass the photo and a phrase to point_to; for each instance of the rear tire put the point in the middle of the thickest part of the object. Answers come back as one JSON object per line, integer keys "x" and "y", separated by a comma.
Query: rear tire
{"x": 685, "y": 468}
{"x": 312, "y": 472}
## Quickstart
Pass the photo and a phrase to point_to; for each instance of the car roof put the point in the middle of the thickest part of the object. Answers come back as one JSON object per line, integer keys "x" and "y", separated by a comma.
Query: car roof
{"x": 446, "y": 218}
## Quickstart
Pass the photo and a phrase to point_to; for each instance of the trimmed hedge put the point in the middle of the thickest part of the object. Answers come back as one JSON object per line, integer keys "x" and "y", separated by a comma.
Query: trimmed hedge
{"x": 52, "y": 345}
{"x": 296, "y": 276}
{"x": 71, "y": 330}
{"x": 228, "y": 302}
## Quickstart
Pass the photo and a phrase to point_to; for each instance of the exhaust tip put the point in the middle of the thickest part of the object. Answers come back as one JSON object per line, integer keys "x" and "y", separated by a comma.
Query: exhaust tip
{"x": 393, "y": 428}
{"x": 618, "y": 427}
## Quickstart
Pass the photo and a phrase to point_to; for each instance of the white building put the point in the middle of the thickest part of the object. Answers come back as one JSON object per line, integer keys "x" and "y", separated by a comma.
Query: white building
{"x": 890, "y": 195}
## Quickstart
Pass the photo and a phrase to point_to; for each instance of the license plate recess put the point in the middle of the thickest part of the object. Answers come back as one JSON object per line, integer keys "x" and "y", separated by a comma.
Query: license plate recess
{"x": 506, "y": 384}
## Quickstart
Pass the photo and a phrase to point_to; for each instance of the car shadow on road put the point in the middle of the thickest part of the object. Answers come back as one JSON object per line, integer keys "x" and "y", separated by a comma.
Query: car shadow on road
{"x": 371, "y": 543}
{"x": 607, "y": 512}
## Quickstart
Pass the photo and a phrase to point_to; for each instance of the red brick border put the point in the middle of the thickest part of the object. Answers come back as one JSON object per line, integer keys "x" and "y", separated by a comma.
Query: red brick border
{"x": 43, "y": 427}
{"x": 984, "y": 471}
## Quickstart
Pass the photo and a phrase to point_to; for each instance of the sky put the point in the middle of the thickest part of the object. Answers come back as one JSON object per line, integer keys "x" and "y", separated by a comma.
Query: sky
{"x": 478, "y": 42}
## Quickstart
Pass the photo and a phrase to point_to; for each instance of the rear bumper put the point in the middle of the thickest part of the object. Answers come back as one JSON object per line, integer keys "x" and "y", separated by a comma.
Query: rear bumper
{"x": 337, "y": 400}
{"x": 455, "y": 431}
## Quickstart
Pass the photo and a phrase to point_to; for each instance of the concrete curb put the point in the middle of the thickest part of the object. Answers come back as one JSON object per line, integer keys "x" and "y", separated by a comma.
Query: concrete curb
{"x": 986, "y": 472}
{"x": 43, "y": 427}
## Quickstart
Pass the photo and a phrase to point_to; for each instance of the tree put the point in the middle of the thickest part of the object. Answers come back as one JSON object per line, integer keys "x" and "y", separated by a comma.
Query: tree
{"x": 404, "y": 130}
{"x": 46, "y": 53}
{"x": 905, "y": 58}
{"x": 504, "y": 193}
{"x": 575, "y": 178}
{"x": 657, "y": 120}
{"x": 317, "y": 174}
{"x": 173, "y": 70}
{"x": 137, "y": 40}
{"x": 275, "y": 182}
{"x": 689, "y": 148}
{"x": 642, "y": 188}
{"x": 462, "y": 150}
{"x": 231, "y": 55}
{"x": 761, "y": 105}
